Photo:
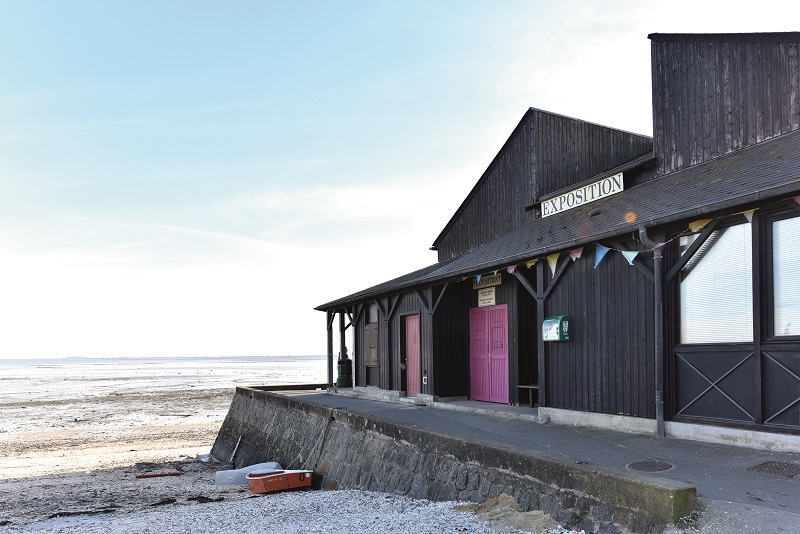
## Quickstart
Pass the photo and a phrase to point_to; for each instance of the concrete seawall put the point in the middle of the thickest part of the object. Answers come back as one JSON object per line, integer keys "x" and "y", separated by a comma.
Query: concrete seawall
{"x": 357, "y": 451}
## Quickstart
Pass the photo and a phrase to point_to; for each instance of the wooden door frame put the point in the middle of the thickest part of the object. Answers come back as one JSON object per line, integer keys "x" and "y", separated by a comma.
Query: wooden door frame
{"x": 403, "y": 350}
{"x": 508, "y": 352}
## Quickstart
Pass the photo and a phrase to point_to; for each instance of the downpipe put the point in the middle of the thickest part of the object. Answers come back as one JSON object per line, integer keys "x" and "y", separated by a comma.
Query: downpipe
{"x": 658, "y": 277}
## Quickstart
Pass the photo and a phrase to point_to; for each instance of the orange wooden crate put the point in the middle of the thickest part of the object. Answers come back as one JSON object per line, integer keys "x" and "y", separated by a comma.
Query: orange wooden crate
{"x": 269, "y": 481}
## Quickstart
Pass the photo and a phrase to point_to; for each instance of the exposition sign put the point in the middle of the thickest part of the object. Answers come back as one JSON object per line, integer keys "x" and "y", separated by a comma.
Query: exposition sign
{"x": 487, "y": 280}
{"x": 583, "y": 195}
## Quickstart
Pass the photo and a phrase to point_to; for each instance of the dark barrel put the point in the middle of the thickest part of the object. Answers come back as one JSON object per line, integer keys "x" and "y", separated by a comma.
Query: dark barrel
{"x": 345, "y": 379}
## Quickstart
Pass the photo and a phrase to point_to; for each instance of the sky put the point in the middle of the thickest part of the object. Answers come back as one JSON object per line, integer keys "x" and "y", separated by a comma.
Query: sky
{"x": 192, "y": 178}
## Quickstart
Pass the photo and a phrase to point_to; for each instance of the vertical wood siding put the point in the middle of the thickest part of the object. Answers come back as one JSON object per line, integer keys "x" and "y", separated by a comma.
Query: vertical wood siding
{"x": 711, "y": 98}
{"x": 451, "y": 340}
{"x": 528, "y": 327}
{"x": 545, "y": 153}
{"x": 409, "y": 304}
{"x": 608, "y": 364}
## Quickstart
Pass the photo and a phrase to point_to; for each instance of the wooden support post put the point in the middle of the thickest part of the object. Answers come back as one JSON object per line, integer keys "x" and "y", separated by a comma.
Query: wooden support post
{"x": 329, "y": 320}
{"x": 540, "y": 289}
{"x": 426, "y": 337}
{"x": 342, "y": 343}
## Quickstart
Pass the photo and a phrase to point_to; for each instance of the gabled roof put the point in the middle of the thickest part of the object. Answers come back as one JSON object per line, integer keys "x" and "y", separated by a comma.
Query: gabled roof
{"x": 767, "y": 170}
{"x": 499, "y": 155}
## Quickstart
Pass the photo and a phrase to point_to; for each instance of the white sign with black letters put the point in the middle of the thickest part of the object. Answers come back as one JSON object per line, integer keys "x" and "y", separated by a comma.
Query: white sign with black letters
{"x": 583, "y": 195}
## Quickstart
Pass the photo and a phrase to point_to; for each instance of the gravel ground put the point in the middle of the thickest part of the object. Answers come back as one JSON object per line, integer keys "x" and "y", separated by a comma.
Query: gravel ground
{"x": 70, "y": 465}
{"x": 291, "y": 512}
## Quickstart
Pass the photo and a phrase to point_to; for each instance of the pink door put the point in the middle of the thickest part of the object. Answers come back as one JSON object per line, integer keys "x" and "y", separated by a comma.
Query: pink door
{"x": 498, "y": 354}
{"x": 489, "y": 353}
{"x": 478, "y": 354}
{"x": 412, "y": 356}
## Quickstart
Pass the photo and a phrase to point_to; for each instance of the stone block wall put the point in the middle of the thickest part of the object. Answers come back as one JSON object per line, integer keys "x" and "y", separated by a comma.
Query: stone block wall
{"x": 353, "y": 451}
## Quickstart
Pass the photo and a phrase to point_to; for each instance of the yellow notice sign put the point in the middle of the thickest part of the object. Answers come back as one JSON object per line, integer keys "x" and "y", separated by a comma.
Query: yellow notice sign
{"x": 486, "y": 297}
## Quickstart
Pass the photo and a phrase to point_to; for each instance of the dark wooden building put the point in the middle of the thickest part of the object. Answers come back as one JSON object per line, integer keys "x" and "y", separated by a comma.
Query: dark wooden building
{"x": 674, "y": 259}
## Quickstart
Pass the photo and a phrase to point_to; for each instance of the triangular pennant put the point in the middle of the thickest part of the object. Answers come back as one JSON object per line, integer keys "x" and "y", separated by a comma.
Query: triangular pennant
{"x": 748, "y": 215}
{"x": 510, "y": 270}
{"x": 630, "y": 255}
{"x": 494, "y": 273}
{"x": 531, "y": 263}
{"x": 659, "y": 245}
{"x": 552, "y": 261}
{"x": 478, "y": 278}
{"x": 575, "y": 253}
{"x": 599, "y": 253}
{"x": 696, "y": 226}
{"x": 796, "y": 199}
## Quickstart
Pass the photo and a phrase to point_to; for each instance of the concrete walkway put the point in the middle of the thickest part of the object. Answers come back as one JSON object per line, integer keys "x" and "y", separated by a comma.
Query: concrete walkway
{"x": 734, "y": 498}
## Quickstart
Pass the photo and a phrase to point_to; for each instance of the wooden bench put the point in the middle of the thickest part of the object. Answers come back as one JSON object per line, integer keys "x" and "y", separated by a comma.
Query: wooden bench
{"x": 529, "y": 389}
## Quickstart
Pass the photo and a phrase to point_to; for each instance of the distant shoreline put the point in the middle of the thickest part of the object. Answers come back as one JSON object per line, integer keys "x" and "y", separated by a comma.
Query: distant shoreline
{"x": 112, "y": 359}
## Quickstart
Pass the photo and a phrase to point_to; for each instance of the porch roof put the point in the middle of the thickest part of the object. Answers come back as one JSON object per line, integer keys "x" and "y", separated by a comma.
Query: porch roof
{"x": 743, "y": 178}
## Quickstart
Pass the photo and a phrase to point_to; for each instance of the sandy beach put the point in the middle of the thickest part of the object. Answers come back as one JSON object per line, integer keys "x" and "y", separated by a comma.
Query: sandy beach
{"x": 70, "y": 454}
{"x": 61, "y": 458}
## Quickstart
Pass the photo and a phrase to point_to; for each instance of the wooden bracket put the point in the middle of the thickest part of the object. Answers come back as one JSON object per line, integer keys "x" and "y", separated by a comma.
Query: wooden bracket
{"x": 527, "y": 285}
{"x": 439, "y": 298}
{"x": 422, "y": 300}
{"x": 359, "y": 311}
{"x": 644, "y": 270}
{"x": 555, "y": 278}
{"x": 392, "y": 306}
{"x": 690, "y": 252}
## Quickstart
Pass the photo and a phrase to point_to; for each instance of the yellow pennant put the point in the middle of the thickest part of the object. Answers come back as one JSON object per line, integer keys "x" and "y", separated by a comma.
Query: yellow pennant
{"x": 531, "y": 263}
{"x": 552, "y": 261}
{"x": 696, "y": 226}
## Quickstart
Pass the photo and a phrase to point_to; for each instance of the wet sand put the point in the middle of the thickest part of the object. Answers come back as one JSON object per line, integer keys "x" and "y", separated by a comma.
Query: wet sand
{"x": 81, "y": 456}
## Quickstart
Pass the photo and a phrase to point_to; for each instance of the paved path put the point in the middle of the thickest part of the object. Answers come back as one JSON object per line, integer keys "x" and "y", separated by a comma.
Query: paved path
{"x": 734, "y": 498}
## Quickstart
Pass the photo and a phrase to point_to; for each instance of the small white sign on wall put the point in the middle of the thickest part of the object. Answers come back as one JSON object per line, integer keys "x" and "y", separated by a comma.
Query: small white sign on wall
{"x": 486, "y": 297}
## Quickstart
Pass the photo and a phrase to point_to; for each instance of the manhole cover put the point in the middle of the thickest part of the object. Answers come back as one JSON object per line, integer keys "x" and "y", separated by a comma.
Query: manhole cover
{"x": 650, "y": 466}
{"x": 781, "y": 469}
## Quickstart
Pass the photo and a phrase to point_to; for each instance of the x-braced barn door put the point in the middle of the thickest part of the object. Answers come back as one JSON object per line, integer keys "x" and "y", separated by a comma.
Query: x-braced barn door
{"x": 489, "y": 353}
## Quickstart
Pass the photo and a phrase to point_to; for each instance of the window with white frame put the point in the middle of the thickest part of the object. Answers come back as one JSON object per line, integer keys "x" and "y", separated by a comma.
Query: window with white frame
{"x": 786, "y": 276}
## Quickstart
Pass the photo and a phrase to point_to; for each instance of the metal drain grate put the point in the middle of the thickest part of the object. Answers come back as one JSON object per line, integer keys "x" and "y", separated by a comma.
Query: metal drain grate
{"x": 650, "y": 466}
{"x": 781, "y": 469}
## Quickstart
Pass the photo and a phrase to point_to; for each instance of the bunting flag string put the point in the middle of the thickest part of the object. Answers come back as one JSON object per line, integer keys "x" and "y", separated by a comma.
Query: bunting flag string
{"x": 599, "y": 253}
{"x": 696, "y": 226}
{"x": 552, "y": 261}
{"x": 630, "y": 255}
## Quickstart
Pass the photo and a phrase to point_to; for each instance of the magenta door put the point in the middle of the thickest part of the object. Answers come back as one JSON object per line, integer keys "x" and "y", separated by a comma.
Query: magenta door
{"x": 478, "y": 354}
{"x": 412, "y": 356}
{"x": 489, "y": 353}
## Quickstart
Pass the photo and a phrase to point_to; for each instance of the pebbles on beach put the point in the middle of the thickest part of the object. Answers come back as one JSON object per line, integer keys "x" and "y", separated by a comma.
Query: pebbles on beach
{"x": 290, "y": 512}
